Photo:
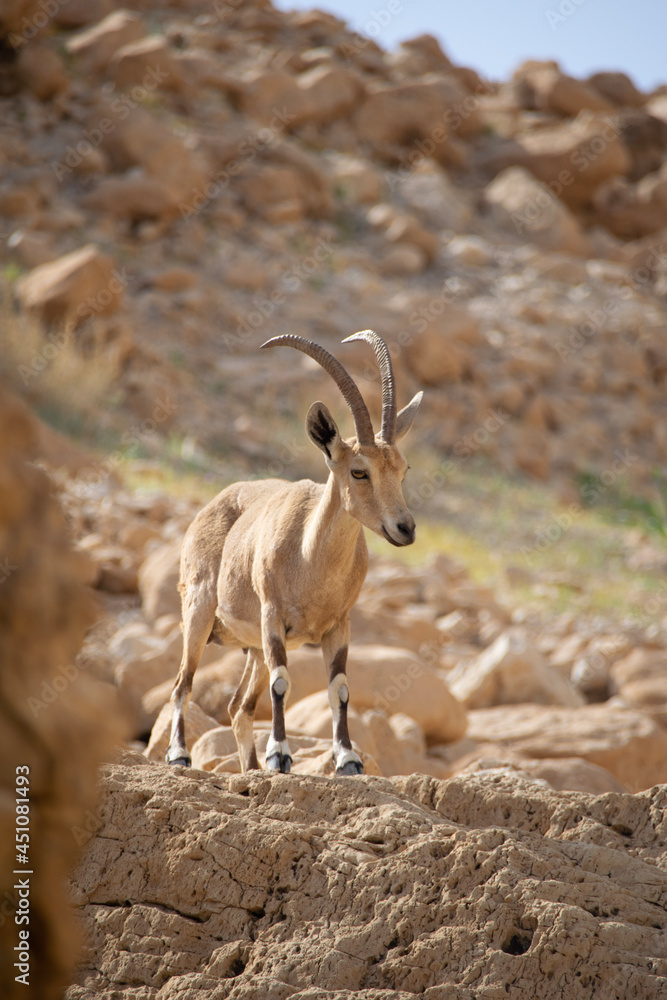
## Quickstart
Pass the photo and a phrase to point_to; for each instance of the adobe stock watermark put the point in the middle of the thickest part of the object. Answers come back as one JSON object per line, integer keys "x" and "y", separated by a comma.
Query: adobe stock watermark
{"x": 590, "y": 492}
{"x": 264, "y": 306}
{"x": 132, "y": 439}
{"x": 6, "y": 569}
{"x": 400, "y": 681}
{"x": 246, "y": 153}
{"x": 119, "y": 110}
{"x": 92, "y": 824}
{"x": 565, "y": 9}
{"x": 38, "y": 20}
{"x": 545, "y": 201}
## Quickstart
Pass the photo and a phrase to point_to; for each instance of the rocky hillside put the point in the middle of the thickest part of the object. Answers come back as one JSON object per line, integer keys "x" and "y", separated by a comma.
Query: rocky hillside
{"x": 179, "y": 183}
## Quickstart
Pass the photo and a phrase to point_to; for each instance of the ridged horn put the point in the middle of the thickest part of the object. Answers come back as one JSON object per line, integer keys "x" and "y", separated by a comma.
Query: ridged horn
{"x": 350, "y": 391}
{"x": 388, "y": 428}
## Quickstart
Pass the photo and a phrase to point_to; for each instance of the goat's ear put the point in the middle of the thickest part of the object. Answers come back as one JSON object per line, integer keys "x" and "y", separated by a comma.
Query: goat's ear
{"x": 322, "y": 430}
{"x": 405, "y": 416}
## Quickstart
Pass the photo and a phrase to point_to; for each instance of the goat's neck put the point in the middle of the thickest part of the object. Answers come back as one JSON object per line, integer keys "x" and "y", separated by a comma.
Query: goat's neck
{"x": 331, "y": 533}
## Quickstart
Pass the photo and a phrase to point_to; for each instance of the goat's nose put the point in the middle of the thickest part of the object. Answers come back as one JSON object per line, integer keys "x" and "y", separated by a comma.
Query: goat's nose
{"x": 407, "y": 530}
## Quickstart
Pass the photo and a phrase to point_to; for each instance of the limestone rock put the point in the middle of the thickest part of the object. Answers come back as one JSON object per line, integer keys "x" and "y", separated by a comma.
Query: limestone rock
{"x": 523, "y": 206}
{"x": 74, "y": 287}
{"x": 331, "y": 91}
{"x": 58, "y": 722}
{"x": 400, "y": 113}
{"x": 641, "y": 681}
{"x": 631, "y": 211}
{"x": 158, "y": 581}
{"x": 617, "y": 88}
{"x": 627, "y": 743}
{"x": 545, "y": 87}
{"x": 439, "y": 349}
{"x": 145, "y": 62}
{"x": 573, "y": 159}
{"x": 511, "y": 671}
{"x": 94, "y": 47}
{"x": 250, "y": 874}
{"x": 41, "y": 70}
{"x": 154, "y": 161}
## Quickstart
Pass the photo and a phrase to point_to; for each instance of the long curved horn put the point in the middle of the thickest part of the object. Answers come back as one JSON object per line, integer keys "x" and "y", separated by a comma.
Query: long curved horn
{"x": 353, "y": 398}
{"x": 388, "y": 429}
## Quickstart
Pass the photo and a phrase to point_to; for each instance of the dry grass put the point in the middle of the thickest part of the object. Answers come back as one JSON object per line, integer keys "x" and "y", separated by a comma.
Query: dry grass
{"x": 69, "y": 385}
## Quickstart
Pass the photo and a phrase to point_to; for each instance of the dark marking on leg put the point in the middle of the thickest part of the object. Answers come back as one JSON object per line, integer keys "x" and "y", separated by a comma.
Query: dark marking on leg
{"x": 339, "y": 663}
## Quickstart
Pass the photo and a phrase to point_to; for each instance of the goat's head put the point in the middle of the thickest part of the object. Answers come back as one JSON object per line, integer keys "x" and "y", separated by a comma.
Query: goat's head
{"x": 368, "y": 469}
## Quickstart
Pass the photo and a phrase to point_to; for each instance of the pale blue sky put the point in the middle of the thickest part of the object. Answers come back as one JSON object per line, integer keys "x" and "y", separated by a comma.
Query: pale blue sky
{"x": 494, "y": 37}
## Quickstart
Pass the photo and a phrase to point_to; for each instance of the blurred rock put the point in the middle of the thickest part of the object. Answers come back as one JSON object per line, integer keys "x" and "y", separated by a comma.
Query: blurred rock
{"x": 94, "y": 47}
{"x": 521, "y": 205}
{"x": 511, "y": 671}
{"x": 74, "y": 287}
{"x": 625, "y": 742}
{"x": 158, "y": 582}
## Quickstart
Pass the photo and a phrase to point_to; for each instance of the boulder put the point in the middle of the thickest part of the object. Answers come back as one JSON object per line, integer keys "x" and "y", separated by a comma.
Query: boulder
{"x": 146, "y": 62}
{"x": 631, "y": 211}
{"x": 157, "y": 165}
{"x": 94, "y": 47}
{"x": 419, "y": 113}
{"x": 433, "y": 197}
{"x": 640, "y": 679}
{"x": 617, "y": 88}
{"x": 330, "y": 91}
{"x": 521, "y": 205}
{"x": 627, "y": 743}
{"x": 355, "y": 181}
{"x": 543, "y": 87}
{"x": 511, "y": 671}
{"x": 252, "y": 874}
{"x": 197, "y": 723}
{"x": 572, "y": 774}
{"x": 216, "y": 743}
{"x": 72, "y": 288}
{"x": 158, "y": 581}
{"x": 574, "y": 158}
{"x": 440, "y": 348}
{"x": 274, "y": 98}
{"x": 645, "y": 138}
{"x": 41, "y": 71}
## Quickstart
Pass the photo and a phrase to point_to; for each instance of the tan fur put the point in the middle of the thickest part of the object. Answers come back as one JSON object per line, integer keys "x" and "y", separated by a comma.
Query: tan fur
{"x": 270, "y": 565}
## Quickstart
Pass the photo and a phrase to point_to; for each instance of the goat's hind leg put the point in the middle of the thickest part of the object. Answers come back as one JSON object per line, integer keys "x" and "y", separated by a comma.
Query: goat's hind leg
{"x": 198, "y": 618}
{"x": 242, "y": 708}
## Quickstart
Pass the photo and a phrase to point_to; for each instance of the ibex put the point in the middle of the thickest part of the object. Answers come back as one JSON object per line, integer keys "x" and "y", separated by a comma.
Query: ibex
{"x": 270, "y": 565}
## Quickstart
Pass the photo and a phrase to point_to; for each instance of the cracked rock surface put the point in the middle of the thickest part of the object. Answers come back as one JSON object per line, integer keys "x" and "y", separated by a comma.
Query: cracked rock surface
{"x": 207, "y": 886}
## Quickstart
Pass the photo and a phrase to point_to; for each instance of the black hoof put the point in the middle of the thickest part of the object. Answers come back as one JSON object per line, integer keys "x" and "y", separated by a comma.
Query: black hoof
{"x": 351, "y": 767}
{"x": 279, "y": 762}
{"x": 181, "y": 761}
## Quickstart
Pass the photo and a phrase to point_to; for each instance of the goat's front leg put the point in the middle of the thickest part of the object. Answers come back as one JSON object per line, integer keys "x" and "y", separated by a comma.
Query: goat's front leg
{"x": 334, "y": 648}
{"x": 278, "y": 756}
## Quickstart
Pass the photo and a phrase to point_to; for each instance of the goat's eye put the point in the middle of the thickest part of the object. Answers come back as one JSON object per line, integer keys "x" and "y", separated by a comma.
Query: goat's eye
{"x": 359, "y": 474}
